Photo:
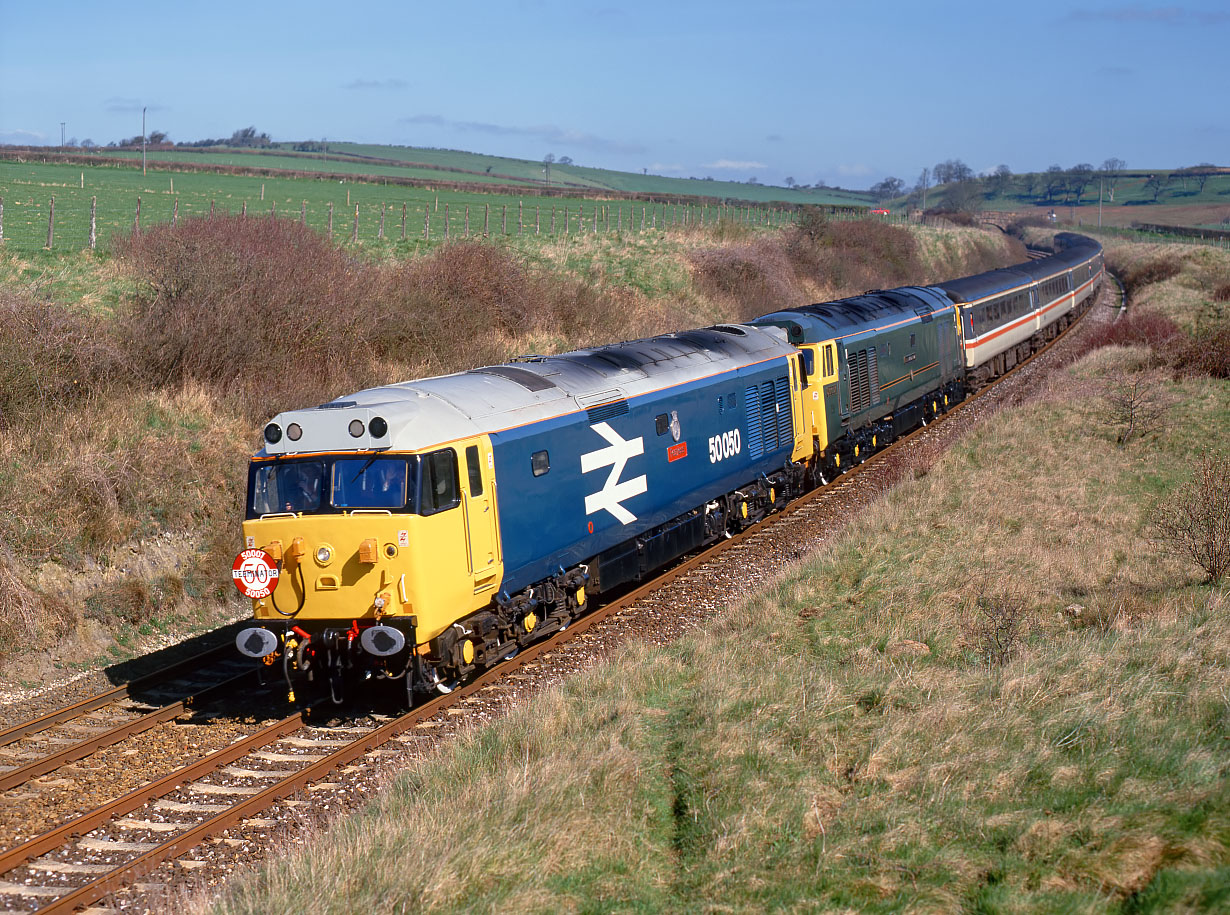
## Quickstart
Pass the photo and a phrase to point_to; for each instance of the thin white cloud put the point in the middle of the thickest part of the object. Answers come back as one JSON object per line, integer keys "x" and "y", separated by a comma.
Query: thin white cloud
{"x": 664, "y": 167}
{"x": 548, "y": 133}
{"x": 23, "y": 137}
{"x": 734, "y": 165}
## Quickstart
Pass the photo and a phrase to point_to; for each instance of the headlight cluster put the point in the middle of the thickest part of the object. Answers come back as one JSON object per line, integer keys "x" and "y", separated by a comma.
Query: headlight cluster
{"x": 378, "y": 427}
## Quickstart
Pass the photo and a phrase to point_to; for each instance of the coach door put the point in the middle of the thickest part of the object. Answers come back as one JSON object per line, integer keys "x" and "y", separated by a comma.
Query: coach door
{"x": 478, "y": 479}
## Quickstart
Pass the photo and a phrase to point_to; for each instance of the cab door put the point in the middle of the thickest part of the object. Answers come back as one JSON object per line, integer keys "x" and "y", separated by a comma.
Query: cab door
{"x": 482, "y": 533}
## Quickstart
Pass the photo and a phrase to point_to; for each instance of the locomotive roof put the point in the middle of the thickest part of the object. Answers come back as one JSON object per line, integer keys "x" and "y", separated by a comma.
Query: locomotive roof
{"x": 427, "y": 412}
{"x": 848, "y": 317}
{"x": 1072, "y": 249}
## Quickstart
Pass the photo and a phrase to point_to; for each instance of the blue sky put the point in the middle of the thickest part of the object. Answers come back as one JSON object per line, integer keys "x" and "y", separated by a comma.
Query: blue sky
{"x": 845, "y": 92}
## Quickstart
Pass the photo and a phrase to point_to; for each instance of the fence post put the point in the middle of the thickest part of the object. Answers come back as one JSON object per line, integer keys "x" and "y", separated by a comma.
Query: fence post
{"x": 595, "y": 218}
{"x": 303, "y": 213}
{"x": 211, "y": 209}
{"x": 354, "y": 232}
{"x": 175, "y": 213}
{"x": 553, "y": 220}
{"x": 273, "y": 210}
{"x": 537, "y": 223}
{"x": 93, "y": 222}
{"x": 520, "y": 218}
{"x": 403, "y": 222}
{"x": 467, "y": 220}
{"x": 446, "y": 220}
{"x": 137, "y": 225}
{"x": 581, "y": 218}
{"x": 427, "y": 222}
{"x": 243, "y": 210}
{"x": 262, "y": 190}
{"x": 380, "y": 231}
{"x": 619, "y": 219}
{"x": 51, "y": 223}
{"x": 330, "y": 220}
{"x": 486, "y": 219}
{"x": 1, "y": 220}
{"x": 504, "y": 218}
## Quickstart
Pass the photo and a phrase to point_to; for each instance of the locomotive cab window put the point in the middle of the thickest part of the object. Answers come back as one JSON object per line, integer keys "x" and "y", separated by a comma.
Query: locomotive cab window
{"x": 474, "y": 471}
{"x": 913, "y": 340}
{"x": 438, "y": 488}
{"x": 662, "y": 423}
{"x": 540, "y": 463}
{"x": 370, "y": 483}
{"x": 287, "y": 487}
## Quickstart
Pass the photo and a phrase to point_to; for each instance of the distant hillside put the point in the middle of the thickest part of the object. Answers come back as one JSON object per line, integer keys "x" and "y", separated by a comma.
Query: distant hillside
{"x": 459, "y": 166}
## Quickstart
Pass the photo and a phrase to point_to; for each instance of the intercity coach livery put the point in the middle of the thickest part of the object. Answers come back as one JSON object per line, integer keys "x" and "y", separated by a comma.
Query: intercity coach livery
{"x": 425, "y": 530}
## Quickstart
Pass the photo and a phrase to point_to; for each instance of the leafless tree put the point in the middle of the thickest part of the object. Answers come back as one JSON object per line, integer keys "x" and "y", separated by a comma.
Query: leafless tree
{"x": 1134, "y": 404}
{"x": 1111, "y": 172}
{"x": 1079, "y": 176}
{"x": 1194, "y": 523}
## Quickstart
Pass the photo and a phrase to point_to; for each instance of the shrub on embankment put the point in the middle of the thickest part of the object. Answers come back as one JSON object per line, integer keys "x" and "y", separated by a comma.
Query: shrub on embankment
{"x": 819, "y": 260}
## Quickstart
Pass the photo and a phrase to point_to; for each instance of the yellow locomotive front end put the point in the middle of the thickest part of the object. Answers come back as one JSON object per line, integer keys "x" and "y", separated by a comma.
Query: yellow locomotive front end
{"x": 371, "y": 554}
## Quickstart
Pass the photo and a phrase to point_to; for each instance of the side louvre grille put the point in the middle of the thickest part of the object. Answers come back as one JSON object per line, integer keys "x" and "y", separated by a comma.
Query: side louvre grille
{"x": 755, "y": 437}
{"x": 769, "y": 419}
{"x": 785, "y": 428}
{"x": 864, "y": 380}
{"x": 607, "y": 411}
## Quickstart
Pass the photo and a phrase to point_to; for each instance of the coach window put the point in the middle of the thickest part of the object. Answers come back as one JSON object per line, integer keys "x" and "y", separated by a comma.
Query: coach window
{"x": 540, "y": 463}
{"x": 438, "y": 487}
{"x": 474, "y": 471}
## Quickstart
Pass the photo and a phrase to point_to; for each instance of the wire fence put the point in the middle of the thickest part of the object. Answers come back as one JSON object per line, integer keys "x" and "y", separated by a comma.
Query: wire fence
{"x": 30, "y": 223}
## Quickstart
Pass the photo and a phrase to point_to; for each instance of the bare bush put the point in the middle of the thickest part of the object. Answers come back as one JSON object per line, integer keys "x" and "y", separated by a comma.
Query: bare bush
{"x": 1194, "y": 522}
{"x": 1134, "y": 404}
{"x": 1205, "y": 352}
{"x": 997, "y": 622}
{"x": 245, "y": 305}
{"x": 1157, "y": 270}
{"x": 756, "y": 276}
{"x": 1138, "y": 328}
{"x": 51, "y": 356}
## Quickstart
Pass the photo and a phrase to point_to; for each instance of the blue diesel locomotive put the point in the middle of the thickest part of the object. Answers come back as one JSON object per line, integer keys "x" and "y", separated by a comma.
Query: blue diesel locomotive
{"x": 423, "y": 530}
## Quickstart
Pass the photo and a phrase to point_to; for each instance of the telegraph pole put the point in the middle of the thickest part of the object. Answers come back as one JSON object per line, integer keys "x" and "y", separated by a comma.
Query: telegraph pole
{"x": 143, "y": 140}
{"x": 61, "y": 135}
{"x": 1100, "y": 180}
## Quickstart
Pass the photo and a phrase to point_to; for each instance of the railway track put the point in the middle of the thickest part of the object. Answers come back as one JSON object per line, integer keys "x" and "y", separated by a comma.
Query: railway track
{"x": 98, "y": 852}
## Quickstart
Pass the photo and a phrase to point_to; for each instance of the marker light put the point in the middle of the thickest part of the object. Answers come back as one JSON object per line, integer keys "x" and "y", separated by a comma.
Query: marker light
{"x": 356, "y": 427}
{"x": 378, "y": 427}
{"x": 273, "y": 433}
{"x": 323, "y": 555}
{"x": 294, "y": 432}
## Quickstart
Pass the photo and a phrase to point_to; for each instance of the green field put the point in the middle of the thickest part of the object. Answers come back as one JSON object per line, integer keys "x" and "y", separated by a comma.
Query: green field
{"x": 457, "y": 165}
{"x": 1132, "y": 189}
{"x": 27, "y": 189}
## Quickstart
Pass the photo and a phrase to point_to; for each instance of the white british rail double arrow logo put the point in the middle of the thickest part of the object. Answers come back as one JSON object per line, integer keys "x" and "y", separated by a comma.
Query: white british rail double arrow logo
{"x": 615, "y": 456}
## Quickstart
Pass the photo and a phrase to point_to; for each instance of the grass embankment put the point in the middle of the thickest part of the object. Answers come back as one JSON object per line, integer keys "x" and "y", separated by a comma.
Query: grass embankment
{"x": 133, "y": 384}
{"x": 993, "y": 694}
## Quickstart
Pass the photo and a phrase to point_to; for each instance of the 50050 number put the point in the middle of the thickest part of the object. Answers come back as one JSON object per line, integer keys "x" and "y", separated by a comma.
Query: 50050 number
{"x": 723, "y": 446}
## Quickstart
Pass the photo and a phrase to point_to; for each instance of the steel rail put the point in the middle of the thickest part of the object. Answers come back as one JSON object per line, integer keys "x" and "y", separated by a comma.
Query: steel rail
{"x": 88, "y": 745}
{"x": 45, "y": 722}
